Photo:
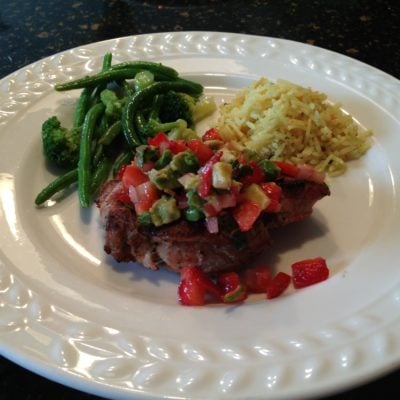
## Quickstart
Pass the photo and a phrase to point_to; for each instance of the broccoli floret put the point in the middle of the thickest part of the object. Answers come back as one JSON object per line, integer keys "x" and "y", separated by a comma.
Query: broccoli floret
{"x": 183, "y": 106}
{"x": 60, "y": 145}
{"x": 182, "y": 133}
{"x": 171, "y": 113}
{"x": 153, "y": 126}
{"x": 112, "y": 103}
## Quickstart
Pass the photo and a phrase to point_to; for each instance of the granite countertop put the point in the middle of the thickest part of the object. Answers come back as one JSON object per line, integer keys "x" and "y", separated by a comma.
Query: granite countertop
{"x": 365, "y": 30}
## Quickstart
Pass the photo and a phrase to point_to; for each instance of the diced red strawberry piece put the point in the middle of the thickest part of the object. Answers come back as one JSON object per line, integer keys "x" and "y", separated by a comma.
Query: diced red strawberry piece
{"x": 228, "y": 281}
{"x": 190, "y": 293}
{"x": 278, "y": 285}
{"x": 194, "y": 287}
{"x": 232, "y": 288}
{"x": 308, "y": 272}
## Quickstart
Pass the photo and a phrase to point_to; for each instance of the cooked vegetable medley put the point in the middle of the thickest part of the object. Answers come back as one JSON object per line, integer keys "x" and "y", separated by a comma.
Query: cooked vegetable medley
{"x": 119, "y": 108}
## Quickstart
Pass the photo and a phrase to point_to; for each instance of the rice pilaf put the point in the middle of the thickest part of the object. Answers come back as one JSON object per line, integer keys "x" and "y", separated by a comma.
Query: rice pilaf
{"x": 288, "y": 122}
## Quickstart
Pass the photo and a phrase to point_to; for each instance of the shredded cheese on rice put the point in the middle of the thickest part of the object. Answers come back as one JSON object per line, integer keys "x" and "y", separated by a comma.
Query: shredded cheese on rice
{"x": 287, "y": 122}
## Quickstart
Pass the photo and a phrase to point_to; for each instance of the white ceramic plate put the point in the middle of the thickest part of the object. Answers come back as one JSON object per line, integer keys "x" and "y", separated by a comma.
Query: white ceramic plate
{"x": 71, "y": 314}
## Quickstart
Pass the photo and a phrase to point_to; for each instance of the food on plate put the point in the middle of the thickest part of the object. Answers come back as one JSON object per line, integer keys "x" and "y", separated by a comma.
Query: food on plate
{"x": 198, "y": 202}
{"x": 200, "y": 205}
{"x": 308, "y": 272}
{"x": 288, "y": 122}
{"x": 197, "y": 288}
{"x": 60, "y": 145}
{"x": 117, "y": 110}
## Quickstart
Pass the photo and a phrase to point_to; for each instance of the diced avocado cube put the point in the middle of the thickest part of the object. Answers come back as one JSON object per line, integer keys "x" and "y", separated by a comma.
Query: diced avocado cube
{"x": 189, "y": 181}
{"x": 194, "y": 200}
{"x": 185, "y": 162}
{"x": 222, "y": 175}
{"x": 164, "y": 178}
{"x": 255, "y": 194}
{"x": 164, "y": 211}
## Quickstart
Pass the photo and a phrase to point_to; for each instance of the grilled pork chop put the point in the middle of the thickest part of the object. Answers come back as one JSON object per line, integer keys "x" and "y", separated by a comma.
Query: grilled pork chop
{"x": 184, "y": 243}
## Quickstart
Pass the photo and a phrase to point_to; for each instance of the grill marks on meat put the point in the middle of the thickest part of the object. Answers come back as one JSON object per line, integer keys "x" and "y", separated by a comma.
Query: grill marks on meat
{"x": 182, "y": 243}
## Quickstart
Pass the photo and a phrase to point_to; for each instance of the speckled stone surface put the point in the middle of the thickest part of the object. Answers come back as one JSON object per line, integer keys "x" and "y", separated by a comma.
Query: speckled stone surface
{"x": 30, "y": 30}
{"x": 365, "y": 30}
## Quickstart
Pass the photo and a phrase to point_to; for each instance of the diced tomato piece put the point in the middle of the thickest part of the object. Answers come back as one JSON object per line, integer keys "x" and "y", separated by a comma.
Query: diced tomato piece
{"x": 142, "y": 206}
{"x": 202, "y": 151}
{"x": 205, "y": 174}
{"x": 245, "y": 214}
{"x": 308, "y": 272}
{"x": 287, "y": 168}
{"x": 162, "y": 141}
{"x": 157, "y": 140}
{"x": 211, "y": 134}
{"x": 177, "y": 146}
{"x": 278, "y": 285}
{"x": 257, "y": 176}
{"x": 145, "y": 192}
{"x": 133, "y": 176}
{"x": 194, "y": 287}
{"x": 274, "y": 192}
{"x": 257, "y": 279}
{"x": 232, "y": 288}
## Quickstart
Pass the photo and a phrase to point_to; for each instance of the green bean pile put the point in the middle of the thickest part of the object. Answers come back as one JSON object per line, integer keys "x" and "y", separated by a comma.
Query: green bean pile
{"x": 107, "y": 145}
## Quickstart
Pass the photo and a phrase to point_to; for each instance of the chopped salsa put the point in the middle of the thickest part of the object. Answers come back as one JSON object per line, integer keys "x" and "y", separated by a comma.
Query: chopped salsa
{"x": 201, "y": 179}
